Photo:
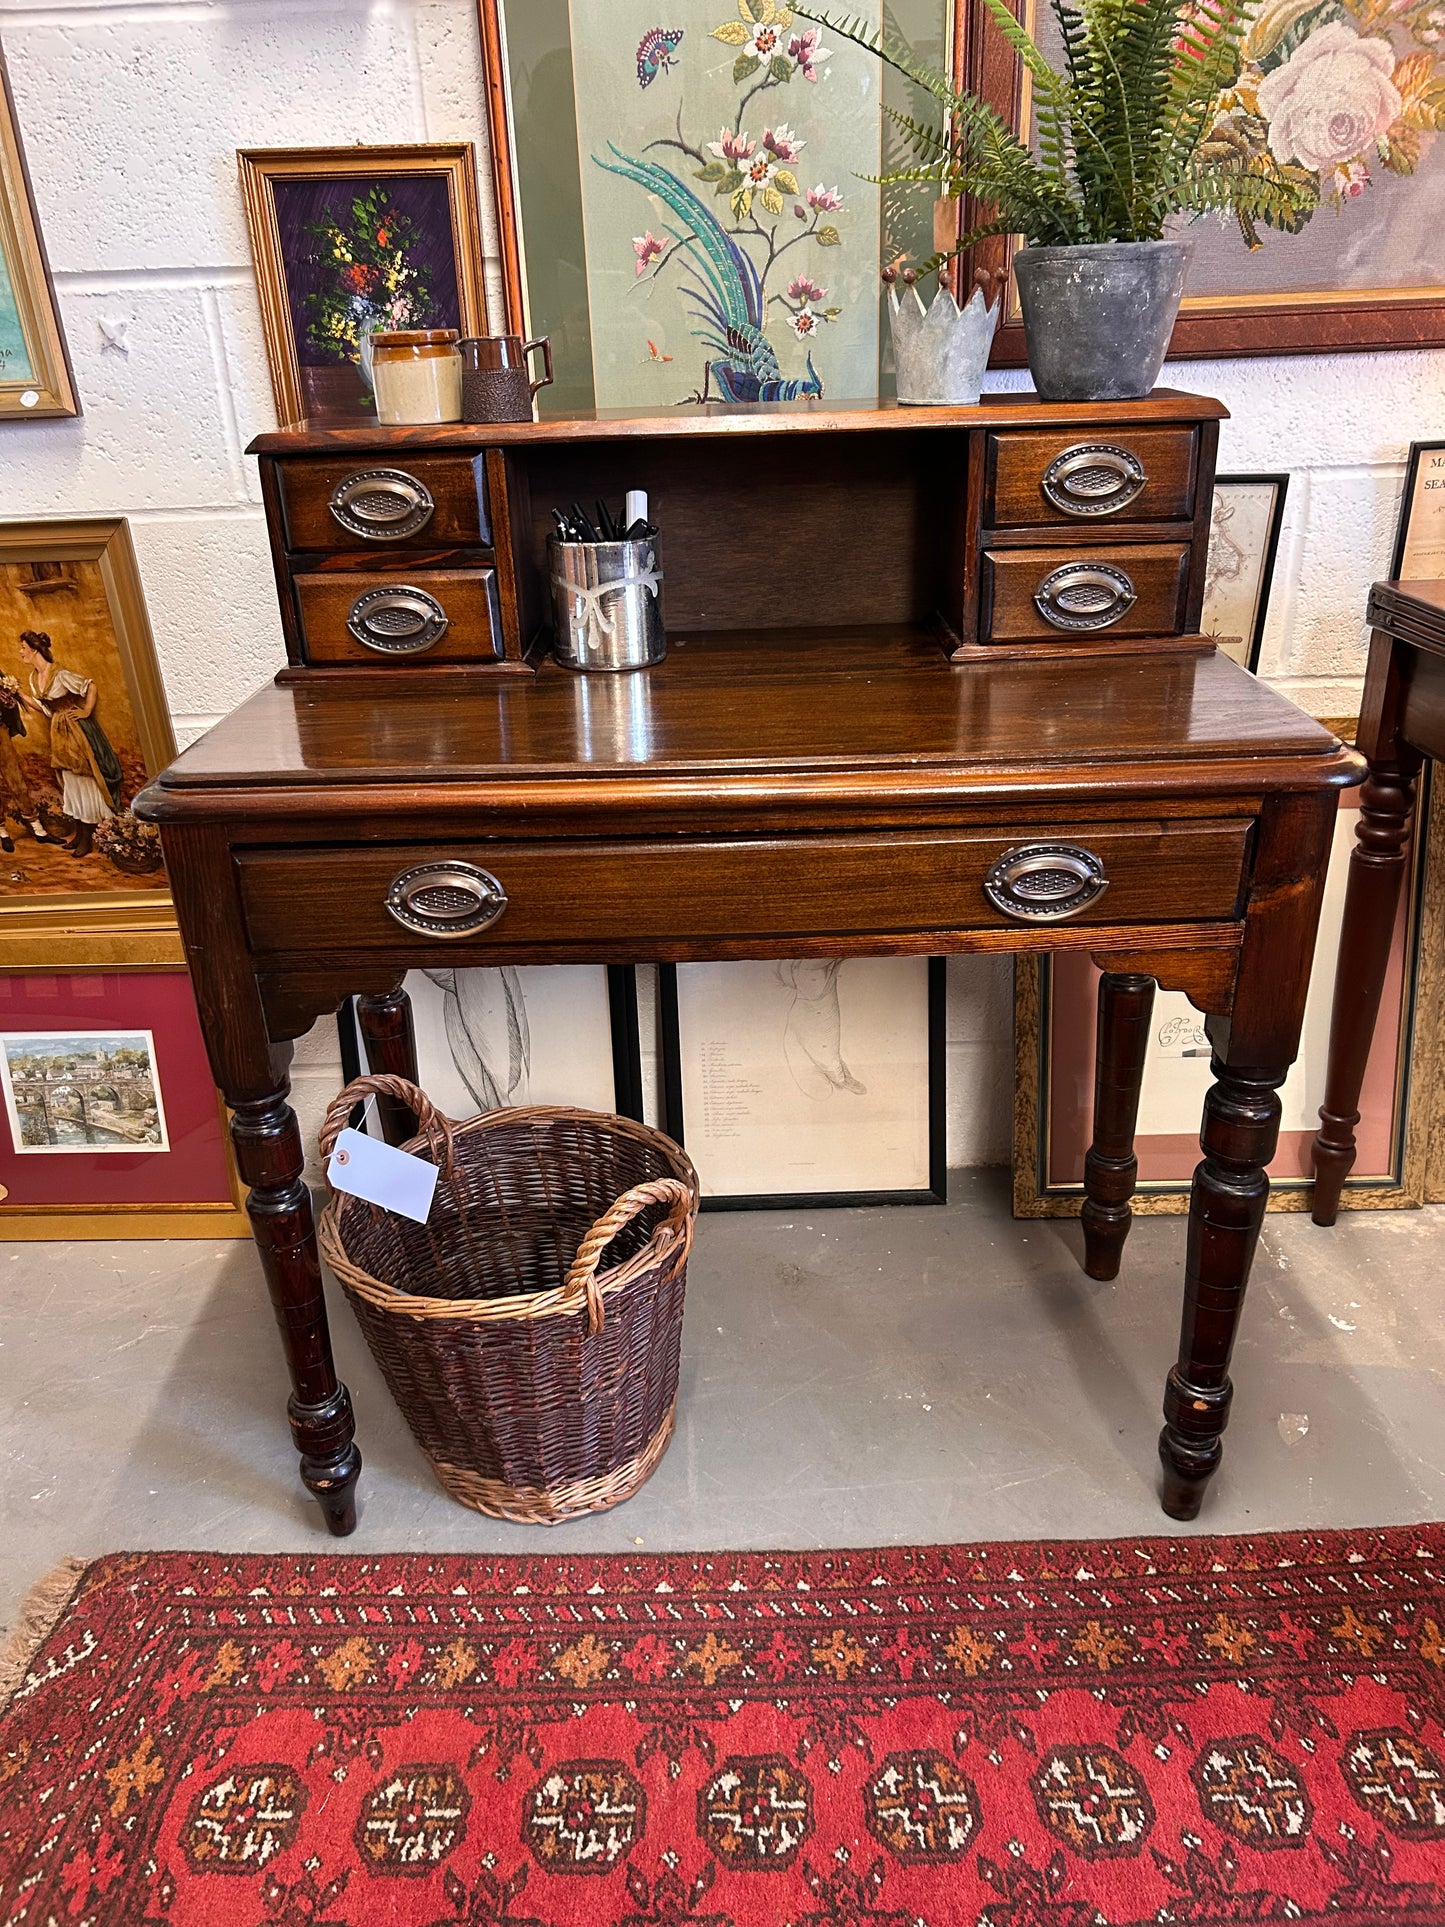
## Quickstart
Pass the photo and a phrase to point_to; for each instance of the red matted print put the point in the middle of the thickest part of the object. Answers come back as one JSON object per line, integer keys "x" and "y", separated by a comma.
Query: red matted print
{"x": 189, "y": 1167}
{"x": 1176, "y": 1073}
{"x": 1199, "y": 1731}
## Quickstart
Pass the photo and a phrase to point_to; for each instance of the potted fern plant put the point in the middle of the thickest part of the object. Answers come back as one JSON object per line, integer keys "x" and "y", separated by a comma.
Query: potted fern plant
{"x": 1129, "y": 135}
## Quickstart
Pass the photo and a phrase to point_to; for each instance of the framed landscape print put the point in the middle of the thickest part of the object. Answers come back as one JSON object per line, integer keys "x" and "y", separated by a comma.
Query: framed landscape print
{"x": 83, "y": 726}
{"x": 110, "y": 1125}
{"x": 815, "y": 1081}
{"x": 1344, "y": 95}
{"x": 1055, "y": 1032}
{"x": 1244, "y": 531}
{"x": 680, "y": 197}
{"x": 348, "y": 240}
{"x": 35, "y": 378}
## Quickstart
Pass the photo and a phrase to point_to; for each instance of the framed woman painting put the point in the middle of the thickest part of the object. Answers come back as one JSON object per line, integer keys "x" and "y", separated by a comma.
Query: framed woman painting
{"x": 347, "y": 240}
{"x": 35, "y": 379}
{"x": 83, "y": 726}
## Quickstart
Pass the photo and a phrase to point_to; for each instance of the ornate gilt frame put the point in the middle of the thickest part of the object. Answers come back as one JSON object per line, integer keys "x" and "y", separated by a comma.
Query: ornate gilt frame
{"x": 1422, "y": 1159}
{"x": 51, "y": 386}
{"x": 260, "y": 167}
{"x": 62, "y": 926}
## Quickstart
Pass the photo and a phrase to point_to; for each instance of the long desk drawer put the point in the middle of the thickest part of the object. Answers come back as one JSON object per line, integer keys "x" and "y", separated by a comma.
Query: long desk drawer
{"x": 596, "y": 892}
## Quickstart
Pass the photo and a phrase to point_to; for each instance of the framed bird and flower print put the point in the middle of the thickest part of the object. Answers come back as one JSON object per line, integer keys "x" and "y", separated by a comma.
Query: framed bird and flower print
{"x": 691, "y": 223}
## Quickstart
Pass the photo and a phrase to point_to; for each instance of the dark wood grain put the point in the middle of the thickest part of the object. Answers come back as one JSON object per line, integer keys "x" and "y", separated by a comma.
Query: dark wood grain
{"x": 453, "y": 481}
{"x": 388, "y": 1036}
{"x": 1017, "y": 460}
{"x": 1011, "y": 578}
{"x": 469, "y": 597}
{"x": 1126, "y": 1004}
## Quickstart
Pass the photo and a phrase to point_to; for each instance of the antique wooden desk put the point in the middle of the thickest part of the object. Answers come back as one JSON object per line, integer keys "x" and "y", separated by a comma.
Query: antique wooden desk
{"x": 932, "y": 687}
{"x": 1402, "y": 721}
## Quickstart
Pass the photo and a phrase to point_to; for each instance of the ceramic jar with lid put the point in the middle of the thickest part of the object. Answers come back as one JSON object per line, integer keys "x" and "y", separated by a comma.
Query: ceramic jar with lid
{"x": 417, "y": 375}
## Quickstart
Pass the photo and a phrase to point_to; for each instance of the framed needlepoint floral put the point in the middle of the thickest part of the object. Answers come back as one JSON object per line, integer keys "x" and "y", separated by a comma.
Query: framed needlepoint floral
{"x": 347, "y": 240}
{"x": 691, "y": 224}
{"x": 1345, "y": 99}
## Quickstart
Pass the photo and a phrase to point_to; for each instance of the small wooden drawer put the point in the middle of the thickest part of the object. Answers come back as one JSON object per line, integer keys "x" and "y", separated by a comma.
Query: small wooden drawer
{"x": 434, "y": 501}
{"x": 1085, "y": 593}
{"x": 429, "y": 615}
{"x": 645, "y": 892}
{"x": 1038, "y": 478}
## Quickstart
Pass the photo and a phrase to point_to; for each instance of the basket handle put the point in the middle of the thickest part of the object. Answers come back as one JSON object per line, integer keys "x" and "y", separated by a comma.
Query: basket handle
{"x": 436, "y": 1127}
{"x": 581, "y": 1280}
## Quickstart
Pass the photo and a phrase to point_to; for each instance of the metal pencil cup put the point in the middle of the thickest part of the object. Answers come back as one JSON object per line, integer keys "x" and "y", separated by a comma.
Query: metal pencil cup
{"x": 607, "y": 603}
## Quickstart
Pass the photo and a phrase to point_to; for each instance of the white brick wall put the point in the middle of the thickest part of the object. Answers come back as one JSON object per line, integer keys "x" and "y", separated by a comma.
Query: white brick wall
{"x": 131, "y": 115}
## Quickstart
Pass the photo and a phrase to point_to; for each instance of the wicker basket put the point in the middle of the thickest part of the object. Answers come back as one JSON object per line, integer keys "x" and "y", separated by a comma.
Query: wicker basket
{"x": 540, "y": 1384}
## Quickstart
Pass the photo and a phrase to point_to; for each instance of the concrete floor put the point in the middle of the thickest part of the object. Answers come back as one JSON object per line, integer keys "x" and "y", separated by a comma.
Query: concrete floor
{"x": 849, "y": 1378}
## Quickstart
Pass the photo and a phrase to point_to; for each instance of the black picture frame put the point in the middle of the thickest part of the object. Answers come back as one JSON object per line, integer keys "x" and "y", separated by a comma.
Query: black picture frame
{"x": 674, "y": 1122}
{"x": 1279, "y": 481}
{"x": 626, "y": 1041}
{"x": 1407, "y": 503}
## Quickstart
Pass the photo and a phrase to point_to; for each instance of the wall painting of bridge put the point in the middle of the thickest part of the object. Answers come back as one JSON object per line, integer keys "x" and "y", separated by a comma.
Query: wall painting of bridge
{"x": 93, "y": 1090}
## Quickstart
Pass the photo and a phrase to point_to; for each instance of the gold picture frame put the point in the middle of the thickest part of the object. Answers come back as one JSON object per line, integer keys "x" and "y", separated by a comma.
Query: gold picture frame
{"x": 43, "y": 387}
{"x": 158, "y": 953}
{"x": 66, "y": 570}
{"x": 1420, "y": 1174}
{"x": 299, "y": 391}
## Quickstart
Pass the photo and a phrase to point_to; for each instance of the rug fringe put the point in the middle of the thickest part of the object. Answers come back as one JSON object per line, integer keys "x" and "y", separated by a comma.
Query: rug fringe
{"x": 40, "y": 1612}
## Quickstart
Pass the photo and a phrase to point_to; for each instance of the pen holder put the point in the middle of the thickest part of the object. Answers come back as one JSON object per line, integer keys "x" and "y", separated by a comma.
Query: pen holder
{"x": 606, "y": 603}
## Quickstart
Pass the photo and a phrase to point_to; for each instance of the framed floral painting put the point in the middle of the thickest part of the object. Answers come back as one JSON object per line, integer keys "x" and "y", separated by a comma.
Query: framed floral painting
{"x": 1346, "y": 98}
{"x": 692, "y": 223}
{"x": 347, "y": 240}
{"x": 83, "y": 727}
{"x": 35, "y": 378}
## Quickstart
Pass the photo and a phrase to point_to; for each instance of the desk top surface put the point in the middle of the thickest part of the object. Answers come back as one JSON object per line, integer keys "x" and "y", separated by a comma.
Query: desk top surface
{"x": 874, "y": 712}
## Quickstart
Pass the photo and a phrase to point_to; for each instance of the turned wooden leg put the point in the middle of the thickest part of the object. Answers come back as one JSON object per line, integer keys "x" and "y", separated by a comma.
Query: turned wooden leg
{"x": 270, "y": 1158}
{"x": 388, "y": 1036}
{"x": 1372, "y": 896}
{"x": 1226, "y": 1210}
{"x": 1110, "y": 1166}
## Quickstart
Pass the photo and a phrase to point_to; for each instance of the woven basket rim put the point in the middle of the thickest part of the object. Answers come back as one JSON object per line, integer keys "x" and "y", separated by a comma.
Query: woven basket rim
{"x": 666, "y": 1244}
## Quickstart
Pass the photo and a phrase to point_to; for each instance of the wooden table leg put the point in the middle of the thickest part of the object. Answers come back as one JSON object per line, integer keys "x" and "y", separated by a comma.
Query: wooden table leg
{"x": 1372, "y": 896}
{"x": 1254, "y": 1046}
{"x": 1126, "y": 1003}
{"x": 270, "y": 1157}
{"x": 388, "y": 1036}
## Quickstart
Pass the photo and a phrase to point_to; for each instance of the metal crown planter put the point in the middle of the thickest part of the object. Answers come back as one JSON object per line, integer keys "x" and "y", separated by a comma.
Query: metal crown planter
{"x": 1097, "y": 319}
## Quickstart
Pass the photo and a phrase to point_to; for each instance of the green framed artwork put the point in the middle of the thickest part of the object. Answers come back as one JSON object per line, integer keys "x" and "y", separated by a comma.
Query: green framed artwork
{"x": 681, "y": 204}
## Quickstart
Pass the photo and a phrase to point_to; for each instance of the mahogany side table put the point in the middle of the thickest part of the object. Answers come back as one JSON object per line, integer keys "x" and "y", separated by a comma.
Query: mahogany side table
{"x": 841, "y": 794}
{"x": 1402, "y": 721}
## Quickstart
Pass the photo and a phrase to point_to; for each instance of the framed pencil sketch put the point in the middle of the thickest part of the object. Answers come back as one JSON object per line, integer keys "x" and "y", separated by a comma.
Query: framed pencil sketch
{"x": 1344, "y": 95}
{"x": 1245, "y": 522}
{"x": 538, "y": 1034}
{"x": 1419, "y": 553}
{"x": 679, "y": 197}
{"x": 83, "y": 726}
{"x": 110, "y": 1126}
{"x": 810, "y": 1082}
{"x": 35, "y": 377}
{"x": 1055, "y": 1038}
{"x": 347, "y": 240}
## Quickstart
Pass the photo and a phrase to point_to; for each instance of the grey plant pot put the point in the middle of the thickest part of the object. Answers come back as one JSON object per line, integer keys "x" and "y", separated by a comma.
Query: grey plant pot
{"x": 1097, "y": 319}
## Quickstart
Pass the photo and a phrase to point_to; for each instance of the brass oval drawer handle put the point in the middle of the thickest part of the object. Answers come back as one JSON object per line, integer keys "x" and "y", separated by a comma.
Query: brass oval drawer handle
{"x": 1045, "y": 882}
{"x": 446, "y": 899}
{"x": 397, "y": 620}
{"x": 382, "y": 504}
{"x": 1094, "y": 478}
{"x": 1085, "y": 595}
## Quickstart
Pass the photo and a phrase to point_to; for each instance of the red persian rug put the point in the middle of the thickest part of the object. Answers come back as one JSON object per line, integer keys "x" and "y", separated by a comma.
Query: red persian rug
{"x": 1189, "y": 1731}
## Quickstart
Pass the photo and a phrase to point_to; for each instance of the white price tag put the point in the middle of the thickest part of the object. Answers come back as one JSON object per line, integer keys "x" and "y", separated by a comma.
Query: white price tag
{"x": 366, "y": 1168}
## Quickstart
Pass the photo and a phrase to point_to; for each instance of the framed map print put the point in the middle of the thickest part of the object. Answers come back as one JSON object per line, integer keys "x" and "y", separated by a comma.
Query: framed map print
{"x": 1245, "y": 521}
{"x": 35, "y": 379}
